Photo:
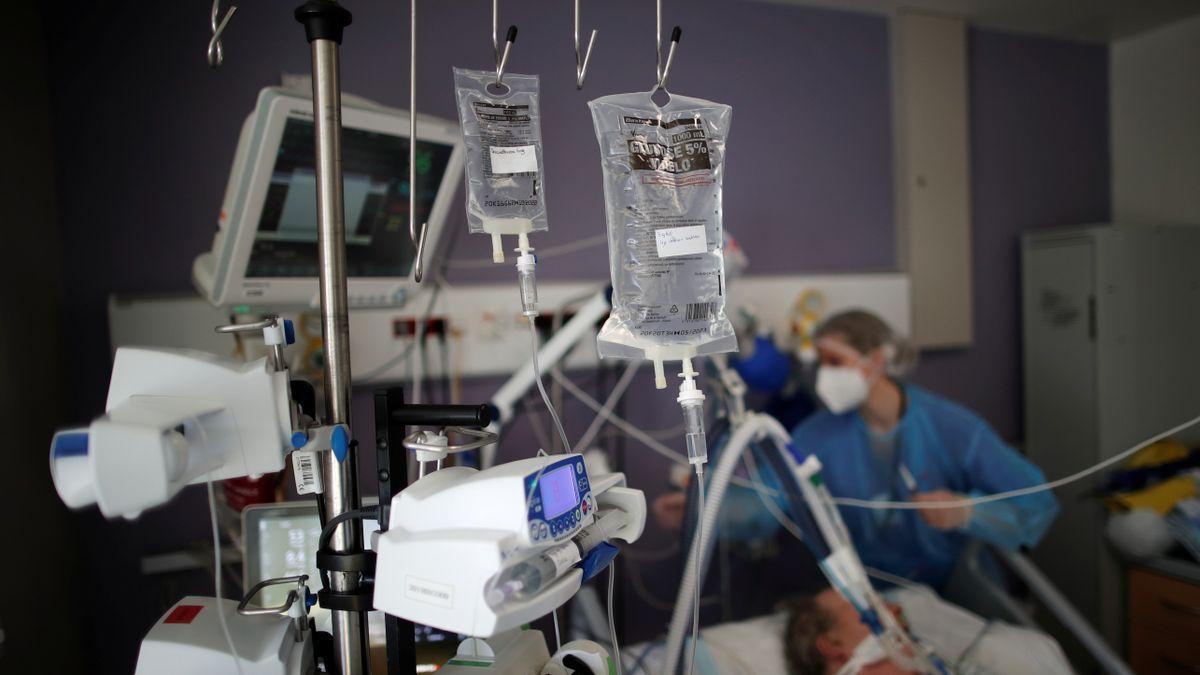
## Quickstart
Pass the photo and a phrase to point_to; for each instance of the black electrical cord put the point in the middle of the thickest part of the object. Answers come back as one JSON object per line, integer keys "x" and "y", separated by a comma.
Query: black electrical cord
{"x": 368, "y": 512}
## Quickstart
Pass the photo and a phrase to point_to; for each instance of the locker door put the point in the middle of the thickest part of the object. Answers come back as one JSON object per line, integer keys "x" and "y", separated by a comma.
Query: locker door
{"x": 1058, "y": 308}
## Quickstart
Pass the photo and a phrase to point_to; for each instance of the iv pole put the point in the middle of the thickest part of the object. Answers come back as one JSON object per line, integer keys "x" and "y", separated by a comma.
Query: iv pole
{"x": 324, "y": 21}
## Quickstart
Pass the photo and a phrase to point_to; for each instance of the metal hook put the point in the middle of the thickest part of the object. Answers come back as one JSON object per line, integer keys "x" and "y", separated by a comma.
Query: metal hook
{"x": 216, "y": 53}
{"x": 418, "y": 240}
{"x": 581, "y": 66}
{"x": 501, "y": 56}
{"x": 661, "y": 70}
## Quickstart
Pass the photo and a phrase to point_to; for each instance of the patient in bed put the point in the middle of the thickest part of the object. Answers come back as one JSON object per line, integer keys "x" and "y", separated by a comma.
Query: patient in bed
{"x": 823, "y": 630}
{"x": 816, "y": 635}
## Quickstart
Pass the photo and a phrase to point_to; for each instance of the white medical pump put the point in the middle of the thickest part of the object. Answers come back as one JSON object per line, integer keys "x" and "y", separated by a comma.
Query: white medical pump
{"x": 481, "y": 553}
{"x": 174, "y": 418}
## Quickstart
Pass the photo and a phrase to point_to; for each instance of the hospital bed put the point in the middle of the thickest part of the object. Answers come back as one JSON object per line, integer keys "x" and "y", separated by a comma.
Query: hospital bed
{"x": 725, "y": 647}
{"x": 973, "y": 586}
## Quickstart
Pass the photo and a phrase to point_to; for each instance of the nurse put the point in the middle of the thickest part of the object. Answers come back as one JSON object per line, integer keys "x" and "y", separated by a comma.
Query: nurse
{"x": 883, "y": 439}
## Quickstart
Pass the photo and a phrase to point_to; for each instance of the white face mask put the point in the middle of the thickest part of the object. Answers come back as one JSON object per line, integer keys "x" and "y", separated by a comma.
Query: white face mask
{"x": 841, "y": 388}
{"x": 869, "y": 650}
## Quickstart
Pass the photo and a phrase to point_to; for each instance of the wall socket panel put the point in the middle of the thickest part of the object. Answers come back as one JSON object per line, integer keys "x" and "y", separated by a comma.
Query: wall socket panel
{"x": 482, "y": 326}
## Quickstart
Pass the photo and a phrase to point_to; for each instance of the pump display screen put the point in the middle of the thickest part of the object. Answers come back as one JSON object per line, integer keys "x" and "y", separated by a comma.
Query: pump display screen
{"x": 375, "y": 191}
{"x": 559, "y": 492}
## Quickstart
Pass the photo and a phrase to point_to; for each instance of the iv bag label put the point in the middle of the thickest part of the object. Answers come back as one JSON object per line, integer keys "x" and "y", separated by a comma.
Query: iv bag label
{"x": 308, "y": 474}
{"x": 429, "y": 592}
{"x": 503, "y": 163}
{"x": 519, "y": 159}
{"x": 673, "y": 241}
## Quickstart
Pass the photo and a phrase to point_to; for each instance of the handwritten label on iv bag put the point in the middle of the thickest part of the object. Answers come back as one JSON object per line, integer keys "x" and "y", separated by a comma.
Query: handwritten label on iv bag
{"x": 675, "y": 241}
{"x": 519, "y": 159}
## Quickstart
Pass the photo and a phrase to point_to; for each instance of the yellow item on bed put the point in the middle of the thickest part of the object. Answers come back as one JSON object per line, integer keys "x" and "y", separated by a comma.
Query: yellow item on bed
{"x": 1161, "y": 497}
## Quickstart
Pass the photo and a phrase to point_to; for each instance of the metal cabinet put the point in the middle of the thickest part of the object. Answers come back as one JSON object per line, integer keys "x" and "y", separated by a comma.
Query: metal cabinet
{"x": 1111, "y": 332}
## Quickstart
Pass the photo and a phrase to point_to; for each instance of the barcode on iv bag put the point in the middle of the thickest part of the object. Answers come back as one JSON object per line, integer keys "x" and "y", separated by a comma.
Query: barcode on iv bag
{"x": 699, "y": 311}
{"x": 308, "y": 474}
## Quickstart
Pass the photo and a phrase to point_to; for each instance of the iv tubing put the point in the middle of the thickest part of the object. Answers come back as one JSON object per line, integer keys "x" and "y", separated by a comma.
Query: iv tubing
{"x": 754, "y": 427}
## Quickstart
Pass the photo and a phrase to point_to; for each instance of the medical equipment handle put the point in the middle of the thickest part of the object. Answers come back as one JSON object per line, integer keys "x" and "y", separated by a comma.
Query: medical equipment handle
{"x": 243, "y": 606}
{"x": 444, "y": 415}
{"x": 421, "y": 441}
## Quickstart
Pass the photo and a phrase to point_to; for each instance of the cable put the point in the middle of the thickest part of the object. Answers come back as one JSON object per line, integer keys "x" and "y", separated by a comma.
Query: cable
{"x": 644, "y": 438}
{"x": 212, "y": 512}
{"x": 1011, "y": 494}
{"x": 696, "y": 563}
{"x": 615, "y": 395}
{"x": 899, "y": 581}
{"x": 653, "y": 444}
{"x": 420, "y": 325}
{"x": 556, "y": 322}
{"x": 612, "y": 623}
{"x": 549, "y": 252}
{"x": 537, "y": 377}
{"x": 780, "y": 517}
{"x": 370, "y": 512}
{"x": 557, "y": 635}
{"x": 541, "y": 433}
{"x": 622, "y": 424}
{"x": 657, "y": 434}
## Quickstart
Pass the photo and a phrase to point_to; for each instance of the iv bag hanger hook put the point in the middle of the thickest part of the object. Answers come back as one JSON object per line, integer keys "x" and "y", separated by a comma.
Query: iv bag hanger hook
{"x": 581, "y": 64}
{"x": 661, "y": 70}
{"x": 500, "y": 55}
{"x": 216, "y": 53}
{"x": 418, "y": 240}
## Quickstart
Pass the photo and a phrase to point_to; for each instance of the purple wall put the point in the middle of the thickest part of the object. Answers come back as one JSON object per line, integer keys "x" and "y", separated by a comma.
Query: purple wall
{"x": 1039, "y": 158}
{"x": 145, "y": 134}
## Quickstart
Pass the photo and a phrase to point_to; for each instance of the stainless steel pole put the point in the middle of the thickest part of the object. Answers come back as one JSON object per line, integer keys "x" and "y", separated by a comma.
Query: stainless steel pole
{"x": 324, "y": 21}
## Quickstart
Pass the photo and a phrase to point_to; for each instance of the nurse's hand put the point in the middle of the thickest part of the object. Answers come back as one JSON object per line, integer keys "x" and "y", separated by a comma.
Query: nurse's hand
{"x": 942, "y": 518}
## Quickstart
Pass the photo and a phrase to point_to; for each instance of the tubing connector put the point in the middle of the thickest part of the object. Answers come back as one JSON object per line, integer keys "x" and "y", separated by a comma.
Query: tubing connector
{"x": 526, "y": 277}
{"x": 691, "y": 400}
{"x": 497, "y": 248}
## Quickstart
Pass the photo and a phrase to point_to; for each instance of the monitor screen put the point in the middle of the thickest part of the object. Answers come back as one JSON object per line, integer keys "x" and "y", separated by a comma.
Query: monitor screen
{"x": 375, "y": 191}
{"x": 559, "y": 491}
{"x": 286, "y": 545}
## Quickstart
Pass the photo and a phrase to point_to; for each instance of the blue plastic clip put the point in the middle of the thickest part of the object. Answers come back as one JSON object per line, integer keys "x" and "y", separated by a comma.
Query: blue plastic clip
{"x": 597, "y": 559}
{"x": 341, "y": 443}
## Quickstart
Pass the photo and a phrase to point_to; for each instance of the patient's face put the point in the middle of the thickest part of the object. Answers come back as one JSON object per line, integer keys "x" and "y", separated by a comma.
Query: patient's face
{"x": 847, "y": 631}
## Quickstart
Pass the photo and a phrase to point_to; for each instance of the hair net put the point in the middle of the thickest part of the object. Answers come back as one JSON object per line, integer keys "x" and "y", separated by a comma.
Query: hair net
{"x": 866, "y": 332}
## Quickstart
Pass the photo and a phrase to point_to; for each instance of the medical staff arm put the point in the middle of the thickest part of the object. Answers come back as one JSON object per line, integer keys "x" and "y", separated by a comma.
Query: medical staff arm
{"x": 992, "y": 466}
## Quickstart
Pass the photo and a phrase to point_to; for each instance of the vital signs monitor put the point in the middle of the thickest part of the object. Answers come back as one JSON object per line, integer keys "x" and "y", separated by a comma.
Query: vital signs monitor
{"x": 265, "y": 249}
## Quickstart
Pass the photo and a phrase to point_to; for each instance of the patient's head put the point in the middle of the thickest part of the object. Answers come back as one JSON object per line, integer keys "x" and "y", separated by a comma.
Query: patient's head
{"x": 822, "y": 632}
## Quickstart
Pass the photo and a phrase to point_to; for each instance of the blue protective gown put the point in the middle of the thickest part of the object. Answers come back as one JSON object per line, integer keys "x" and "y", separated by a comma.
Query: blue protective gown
{"x": 944, "y": 446}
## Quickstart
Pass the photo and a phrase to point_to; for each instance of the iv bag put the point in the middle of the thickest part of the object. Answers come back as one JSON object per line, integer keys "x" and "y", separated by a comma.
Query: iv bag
{"x": 502, "y": 131}
{"x": 663, "y": 168}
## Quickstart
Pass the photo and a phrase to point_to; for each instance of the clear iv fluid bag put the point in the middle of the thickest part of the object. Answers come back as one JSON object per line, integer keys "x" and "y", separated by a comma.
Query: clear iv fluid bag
{"x": 505, "y": 171}
{"x": 663, "y": 168}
